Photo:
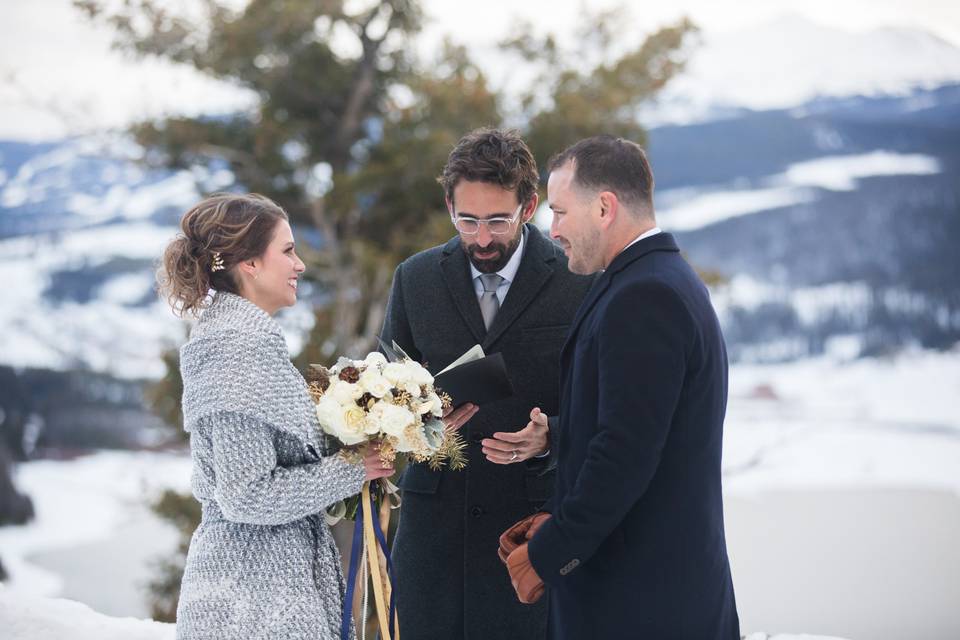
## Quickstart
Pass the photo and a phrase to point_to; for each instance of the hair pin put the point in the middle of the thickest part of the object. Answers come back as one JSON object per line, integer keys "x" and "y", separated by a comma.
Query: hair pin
{"x": 217, "y": 263}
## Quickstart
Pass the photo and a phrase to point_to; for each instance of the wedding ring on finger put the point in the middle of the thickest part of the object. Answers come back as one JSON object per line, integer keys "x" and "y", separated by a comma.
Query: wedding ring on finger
{"x": 514, "y": 456}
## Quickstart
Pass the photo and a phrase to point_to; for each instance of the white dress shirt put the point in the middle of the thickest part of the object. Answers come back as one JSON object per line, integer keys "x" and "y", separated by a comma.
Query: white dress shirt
{"x": 646, "y": 234}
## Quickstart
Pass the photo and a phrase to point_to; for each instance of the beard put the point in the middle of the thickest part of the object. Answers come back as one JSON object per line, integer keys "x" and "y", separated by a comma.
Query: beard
{"x": 505, "y": 251}
{"x": 584, "y": 257}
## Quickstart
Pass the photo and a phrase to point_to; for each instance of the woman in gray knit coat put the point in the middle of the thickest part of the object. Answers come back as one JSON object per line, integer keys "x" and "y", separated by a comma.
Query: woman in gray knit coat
{"x": 262, "y": 563}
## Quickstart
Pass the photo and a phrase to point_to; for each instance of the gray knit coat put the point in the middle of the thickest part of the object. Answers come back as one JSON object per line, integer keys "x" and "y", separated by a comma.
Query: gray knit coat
{"x": 262, "y": 563}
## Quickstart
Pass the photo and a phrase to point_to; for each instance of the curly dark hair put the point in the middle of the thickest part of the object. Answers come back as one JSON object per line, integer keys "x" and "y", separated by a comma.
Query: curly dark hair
{"x": 218, "y": 233}
{"x": 495, "y": 156}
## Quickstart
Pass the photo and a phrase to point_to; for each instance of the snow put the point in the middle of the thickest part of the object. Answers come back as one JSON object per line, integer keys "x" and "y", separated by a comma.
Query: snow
{"x": 830, "y": 422}
{"x": 125, "y": 289}
{"x": 114, "y": 485}
{"x": 109, "y": 204}
{"x": 687, "y": 209}
{"x": 790, "y": 60}
{"x": 850, "y": 301}
{"x": 25, "y": 617}
{"x": 67, "y": 80}
{"x": 695, "y": 210}
{"x": 31, "y": 618}
{"x": 840, "y": 173}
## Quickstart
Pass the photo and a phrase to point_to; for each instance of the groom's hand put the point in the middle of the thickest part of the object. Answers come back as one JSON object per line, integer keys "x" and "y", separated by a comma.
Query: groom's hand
{"x": 533, "y": 440}
{"x": 523, "y": 577}
{"x": 520, "y": 533}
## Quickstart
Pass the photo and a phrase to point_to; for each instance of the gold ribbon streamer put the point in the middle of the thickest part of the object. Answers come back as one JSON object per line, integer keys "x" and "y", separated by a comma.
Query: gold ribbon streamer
{"x": 380, "y": 578}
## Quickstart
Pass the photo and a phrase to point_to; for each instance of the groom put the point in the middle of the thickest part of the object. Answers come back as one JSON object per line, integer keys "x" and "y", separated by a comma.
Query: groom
{"x": 499, "y": 282}
{"x": 632, "y": 543}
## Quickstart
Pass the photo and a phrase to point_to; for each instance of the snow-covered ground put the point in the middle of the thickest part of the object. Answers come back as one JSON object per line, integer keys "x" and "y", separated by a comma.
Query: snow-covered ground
{"x": 865, "y": 431}
{"x": 831, "y": 423}
{"x": 32, "y": 618}
{"x": 25, "y": 617}
{"x": 86, "y": 501}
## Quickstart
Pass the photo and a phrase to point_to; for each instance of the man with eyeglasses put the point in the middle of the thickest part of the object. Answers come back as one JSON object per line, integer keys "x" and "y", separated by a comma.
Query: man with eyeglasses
{"x": 503, "y": 284}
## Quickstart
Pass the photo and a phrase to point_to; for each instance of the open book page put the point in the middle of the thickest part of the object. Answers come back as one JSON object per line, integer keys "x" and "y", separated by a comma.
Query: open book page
{"x": 473, "y": 353}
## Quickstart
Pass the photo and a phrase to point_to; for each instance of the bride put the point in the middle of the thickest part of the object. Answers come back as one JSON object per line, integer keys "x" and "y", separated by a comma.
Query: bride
{"x": 262, "y": 563}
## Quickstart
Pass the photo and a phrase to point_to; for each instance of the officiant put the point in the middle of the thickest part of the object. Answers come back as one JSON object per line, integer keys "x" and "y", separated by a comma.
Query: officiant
{"x": 502, "y": 284}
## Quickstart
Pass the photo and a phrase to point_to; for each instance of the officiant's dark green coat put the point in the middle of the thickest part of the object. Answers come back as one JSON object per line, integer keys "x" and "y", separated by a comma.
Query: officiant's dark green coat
{"x": 449, "y": 581}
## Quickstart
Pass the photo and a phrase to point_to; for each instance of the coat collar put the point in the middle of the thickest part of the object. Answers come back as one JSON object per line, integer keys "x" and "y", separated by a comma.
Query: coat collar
{"x": 536, "y": 267}
{"x": 659, "y": 242}
{"x": 232, "y": 312}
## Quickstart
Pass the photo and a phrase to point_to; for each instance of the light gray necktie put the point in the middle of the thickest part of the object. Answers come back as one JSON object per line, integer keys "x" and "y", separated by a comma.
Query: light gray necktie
{"x": 489, "y": 303}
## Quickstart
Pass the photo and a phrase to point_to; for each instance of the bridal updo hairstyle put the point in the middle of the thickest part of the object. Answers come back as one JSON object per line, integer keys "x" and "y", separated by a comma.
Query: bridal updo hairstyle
{"x": 218, "y": 233}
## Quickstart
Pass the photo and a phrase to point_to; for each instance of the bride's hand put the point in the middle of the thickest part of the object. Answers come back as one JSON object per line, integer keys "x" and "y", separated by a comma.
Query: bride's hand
{"x": 374, "y": 466}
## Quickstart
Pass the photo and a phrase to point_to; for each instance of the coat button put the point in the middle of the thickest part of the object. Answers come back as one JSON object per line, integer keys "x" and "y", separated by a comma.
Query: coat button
{"x": 476, "y": 511}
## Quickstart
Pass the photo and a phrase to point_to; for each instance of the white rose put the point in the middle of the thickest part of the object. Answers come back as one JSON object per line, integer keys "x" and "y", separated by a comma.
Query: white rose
{"x": 390, "y": 418}
{"x": 343, "y": 392}
{"x": 395, "y": 373}
{"x": 374, "y": 383}
{"x": 355, "y": 420}
{"x": 332, "y": 418}
{"x": 343, "y": 363}
{"x": 418, "y": 373}
{"x": 376, "y": 359}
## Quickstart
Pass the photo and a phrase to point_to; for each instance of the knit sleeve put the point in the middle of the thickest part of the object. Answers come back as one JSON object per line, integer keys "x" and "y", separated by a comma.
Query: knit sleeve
{"x": 250, "y": 487}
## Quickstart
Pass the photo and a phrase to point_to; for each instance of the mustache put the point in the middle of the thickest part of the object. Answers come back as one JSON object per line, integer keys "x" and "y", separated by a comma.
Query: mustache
{"x": 474, "y": 249}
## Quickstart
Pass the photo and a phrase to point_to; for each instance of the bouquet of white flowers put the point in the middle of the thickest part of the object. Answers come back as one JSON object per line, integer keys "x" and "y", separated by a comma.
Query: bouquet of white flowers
{"x": 392, "y": 403}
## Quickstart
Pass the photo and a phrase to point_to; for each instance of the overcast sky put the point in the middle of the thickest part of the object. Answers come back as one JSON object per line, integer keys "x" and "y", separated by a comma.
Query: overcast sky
{"x": 58, "y": 74}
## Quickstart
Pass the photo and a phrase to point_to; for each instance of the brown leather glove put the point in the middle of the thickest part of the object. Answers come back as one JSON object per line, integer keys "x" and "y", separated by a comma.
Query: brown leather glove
{"x": 520, "y": 533}
{"x": 523, "y": 576}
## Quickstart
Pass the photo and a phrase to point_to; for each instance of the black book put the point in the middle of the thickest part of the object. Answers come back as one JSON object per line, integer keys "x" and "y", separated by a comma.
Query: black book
{"x": 475, "y": 378}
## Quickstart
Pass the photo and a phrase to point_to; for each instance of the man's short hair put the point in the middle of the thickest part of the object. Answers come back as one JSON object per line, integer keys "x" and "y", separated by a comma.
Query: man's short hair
{"x": 608, "y": 163}
{"x": 494, "y": 156}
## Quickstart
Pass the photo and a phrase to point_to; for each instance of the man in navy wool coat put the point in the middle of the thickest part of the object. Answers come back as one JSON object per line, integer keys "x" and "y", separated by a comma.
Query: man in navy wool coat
{"x": 632, "y": 544}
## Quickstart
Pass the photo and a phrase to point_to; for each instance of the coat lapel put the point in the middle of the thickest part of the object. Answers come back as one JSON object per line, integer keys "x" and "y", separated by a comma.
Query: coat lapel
{"x": 658, "y": 242}
{"x": 456, "y": 273}
{"x": 593, "y": 294}
{"x": 536, "y": 267}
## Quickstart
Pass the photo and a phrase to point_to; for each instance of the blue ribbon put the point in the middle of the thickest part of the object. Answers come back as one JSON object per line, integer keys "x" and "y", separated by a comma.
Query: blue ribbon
{"x": 355, "y": 551}
{"x": 382, "y": 541}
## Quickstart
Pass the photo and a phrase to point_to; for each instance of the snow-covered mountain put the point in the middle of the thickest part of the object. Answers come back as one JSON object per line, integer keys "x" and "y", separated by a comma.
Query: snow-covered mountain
{"x": 836, "y": 219}
{"x": 793, "y": 60}
{"x": 82, "y": 225}
{"x": 834, "y": 223}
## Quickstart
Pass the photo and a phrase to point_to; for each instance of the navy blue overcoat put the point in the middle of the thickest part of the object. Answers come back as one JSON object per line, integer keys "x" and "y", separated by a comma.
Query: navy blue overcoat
{"x": 636, "y": 546}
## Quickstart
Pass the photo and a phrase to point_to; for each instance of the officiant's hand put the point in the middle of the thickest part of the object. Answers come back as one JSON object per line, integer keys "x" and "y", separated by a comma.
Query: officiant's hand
{"x": 453, "y": 419}
{"x": 533, "y": 440}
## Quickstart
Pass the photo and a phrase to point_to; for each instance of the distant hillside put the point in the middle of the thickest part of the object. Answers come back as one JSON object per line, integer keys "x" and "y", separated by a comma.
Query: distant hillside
{"x": 835, "y": 220}
{"x": 833, "y": 223}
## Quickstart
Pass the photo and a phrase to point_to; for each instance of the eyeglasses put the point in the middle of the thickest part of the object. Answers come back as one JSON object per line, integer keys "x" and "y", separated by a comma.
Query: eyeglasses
{"x": 497, "y": 225}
